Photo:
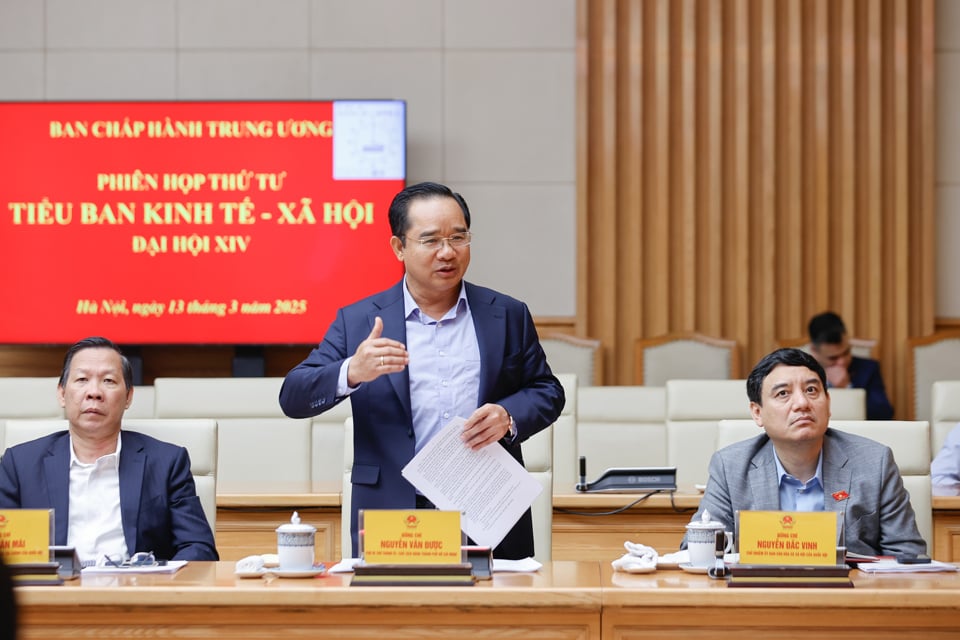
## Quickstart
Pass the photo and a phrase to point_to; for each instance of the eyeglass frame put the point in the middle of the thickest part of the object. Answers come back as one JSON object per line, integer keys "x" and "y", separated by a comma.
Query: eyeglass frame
{"x": 138, "y": 559}
{"x": 440, "y": 240}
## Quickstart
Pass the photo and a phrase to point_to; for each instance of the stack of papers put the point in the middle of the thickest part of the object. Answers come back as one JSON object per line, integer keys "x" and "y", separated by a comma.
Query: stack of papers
{"x": 892, "y": 566}
{"x": 171, "y": 566}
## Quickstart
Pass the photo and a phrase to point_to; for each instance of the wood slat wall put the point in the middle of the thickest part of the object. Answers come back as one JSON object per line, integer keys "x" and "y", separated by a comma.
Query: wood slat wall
{"x": 744, "y": 164}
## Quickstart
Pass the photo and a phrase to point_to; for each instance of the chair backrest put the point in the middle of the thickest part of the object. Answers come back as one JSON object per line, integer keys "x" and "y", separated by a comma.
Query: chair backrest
{"x": 565, "y": 442}
{"x": 582, "y": 357}
{"x": 327, "y": 442}
{"x": 929, "y": 359}
{"x": 346, "y": 494}
{"x": 538, "y": 460}
{"x": 909, "y": 440}
{"x": 848, "y": 404}
{"x": 694, "y": 408}
{"x": 621, "y": 427}
{"x": 945, "y": 412}
{"x": 684, "y": 356}
{"x": 198, "y": 436}
{"x": 28, "y": 398}
{"x": 142, "y": 405}
{"x": 860, "y": 347}
{"x": 260, "y": 449}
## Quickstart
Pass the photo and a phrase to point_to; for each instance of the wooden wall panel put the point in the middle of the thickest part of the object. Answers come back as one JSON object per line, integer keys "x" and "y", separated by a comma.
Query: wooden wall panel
{"x": 741, "y": 165}
{"x": 745, "y": 164}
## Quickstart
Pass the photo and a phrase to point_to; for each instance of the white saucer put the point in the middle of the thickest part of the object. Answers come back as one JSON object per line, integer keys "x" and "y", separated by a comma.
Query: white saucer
{"x": 298, "y": 573}
{"x": 282, "y": 573}
{"x": 689, "y": 568}
{"x": 249, "y": 574}
{"x": 700, "y": 487}
{"x": 649, "y": 569}
{"x": 672, "y": 560}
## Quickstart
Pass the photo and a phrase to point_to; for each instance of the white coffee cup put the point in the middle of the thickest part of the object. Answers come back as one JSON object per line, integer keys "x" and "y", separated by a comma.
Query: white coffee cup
{"x": 295, "y": 545}
{"x": 702, "y": 540}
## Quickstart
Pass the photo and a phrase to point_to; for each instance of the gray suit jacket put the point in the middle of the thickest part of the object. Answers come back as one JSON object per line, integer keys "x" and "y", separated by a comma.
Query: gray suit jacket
{"x": 878, "y": 518}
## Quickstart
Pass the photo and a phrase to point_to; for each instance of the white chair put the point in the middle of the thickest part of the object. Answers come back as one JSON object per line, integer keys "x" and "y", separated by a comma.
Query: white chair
{"x": 142, "y": 405}
{"x": 945, "y": 413}
{"x": 346, "y": 494}
{"x": 538, "y": 460}
{"x": 848, "y": 404}
{"x": 694, "y": 408}
{"x": 621, "y": 427}
{"x": 260, "y": 449}
{"x": 565, "y": 443}
{"x": 685, "y": 356}
{"x": 582, "y": 357}
{"x": 198, "y": 436}
{"x": 929, "y": 359}
{"x": 327, "y": 444}
{"x": 28, "y": 398}
{"x": 909, "y": 440}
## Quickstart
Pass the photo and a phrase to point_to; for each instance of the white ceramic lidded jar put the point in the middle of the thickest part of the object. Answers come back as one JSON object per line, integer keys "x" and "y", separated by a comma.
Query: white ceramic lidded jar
{"x": 701, "y": 540}
{"x": 295, "y": 545}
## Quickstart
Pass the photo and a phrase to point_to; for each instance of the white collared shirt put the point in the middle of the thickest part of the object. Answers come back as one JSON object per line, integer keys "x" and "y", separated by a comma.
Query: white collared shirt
{"x": 95, "y": 527}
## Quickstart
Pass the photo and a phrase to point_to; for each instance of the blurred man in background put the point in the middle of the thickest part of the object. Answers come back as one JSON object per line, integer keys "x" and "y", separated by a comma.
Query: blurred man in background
{"x": 830, "y": 345}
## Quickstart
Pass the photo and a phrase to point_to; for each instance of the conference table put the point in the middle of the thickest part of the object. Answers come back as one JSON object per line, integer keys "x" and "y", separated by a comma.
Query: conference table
{"x": 564, "y": 599}
{"x": 584, "y": 526}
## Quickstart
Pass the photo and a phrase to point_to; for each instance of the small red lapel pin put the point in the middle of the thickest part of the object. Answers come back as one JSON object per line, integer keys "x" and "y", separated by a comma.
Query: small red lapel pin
{"x": 840, "y": 495}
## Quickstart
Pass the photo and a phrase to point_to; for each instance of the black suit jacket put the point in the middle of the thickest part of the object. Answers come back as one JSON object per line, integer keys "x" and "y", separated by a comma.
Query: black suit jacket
{"x": 159, "y": 506}
{"x": 865, "y": 374}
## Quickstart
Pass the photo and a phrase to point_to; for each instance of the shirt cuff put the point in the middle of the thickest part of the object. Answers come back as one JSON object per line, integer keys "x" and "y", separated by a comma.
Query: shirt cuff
{"x": 343, "y": 388}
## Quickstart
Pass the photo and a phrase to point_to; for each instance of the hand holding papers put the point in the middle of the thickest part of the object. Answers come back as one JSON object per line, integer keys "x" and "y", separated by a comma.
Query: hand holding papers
{"x": 488, "y": 487}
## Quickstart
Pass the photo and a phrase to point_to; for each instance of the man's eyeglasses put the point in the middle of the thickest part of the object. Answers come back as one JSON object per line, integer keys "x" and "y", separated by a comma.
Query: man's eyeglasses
{"x": 456, "y": 240}
{"x": 139, "y": 559}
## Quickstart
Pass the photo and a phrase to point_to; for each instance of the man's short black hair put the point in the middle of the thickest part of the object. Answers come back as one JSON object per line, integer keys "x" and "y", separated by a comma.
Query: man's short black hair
{"x": 96, "y": 342}
{"x": 400, "y": 206}
{"x": 826, "y": 328}
{"x": 790, "y": 357}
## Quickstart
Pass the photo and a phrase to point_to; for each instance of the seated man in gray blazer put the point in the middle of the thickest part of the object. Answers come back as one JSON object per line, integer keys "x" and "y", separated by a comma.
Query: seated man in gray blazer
{"x": 798, "y": 464}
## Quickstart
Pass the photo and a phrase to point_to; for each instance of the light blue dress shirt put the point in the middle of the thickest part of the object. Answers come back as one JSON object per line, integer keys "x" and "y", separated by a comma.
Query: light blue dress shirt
{"x": 444, "y": 366}
{"x": 800, "y": 496}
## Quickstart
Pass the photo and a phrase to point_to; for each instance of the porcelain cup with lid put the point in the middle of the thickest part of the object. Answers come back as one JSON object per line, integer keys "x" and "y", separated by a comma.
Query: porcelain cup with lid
{"x": 295, "y": 545}
{"x": 702, "y": 540}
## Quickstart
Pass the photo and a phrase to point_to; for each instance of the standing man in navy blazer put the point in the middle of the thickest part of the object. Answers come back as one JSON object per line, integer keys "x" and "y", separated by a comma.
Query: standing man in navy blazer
{"x": 114, "y": 493}
{"x": 830, "y": 345}
{"x": 428, "y": 349}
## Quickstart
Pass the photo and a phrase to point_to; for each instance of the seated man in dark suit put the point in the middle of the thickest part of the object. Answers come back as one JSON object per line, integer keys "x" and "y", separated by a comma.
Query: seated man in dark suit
{"x": 114, "y": 493}
{"x": 830, "y": 345}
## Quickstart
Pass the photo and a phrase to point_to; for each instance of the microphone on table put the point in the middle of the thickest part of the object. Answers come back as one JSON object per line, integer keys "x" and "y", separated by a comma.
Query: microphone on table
{"x": 582, "y": 485}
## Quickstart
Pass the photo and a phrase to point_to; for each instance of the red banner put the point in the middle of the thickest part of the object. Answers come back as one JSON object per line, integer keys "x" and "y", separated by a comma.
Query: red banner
{"x": 189, "y": 222}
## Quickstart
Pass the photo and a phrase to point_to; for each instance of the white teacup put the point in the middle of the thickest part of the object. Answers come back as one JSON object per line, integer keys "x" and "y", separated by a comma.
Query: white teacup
{"x": 702, "y": 541}
{"x": 295, "y": 545}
